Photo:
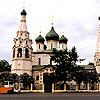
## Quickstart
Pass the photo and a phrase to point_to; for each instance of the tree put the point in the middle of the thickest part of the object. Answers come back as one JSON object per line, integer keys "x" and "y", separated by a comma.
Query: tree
{"x": 66, "y": 67}
{"x": 26, "y": 80}
{"x": 4, "y": 66}
{"x": 11, "y": 77}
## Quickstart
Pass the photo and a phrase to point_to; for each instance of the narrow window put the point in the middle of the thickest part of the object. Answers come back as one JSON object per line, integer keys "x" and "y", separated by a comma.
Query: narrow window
{"x": 39, "y": 61}
{"x": 26, "y": 53}
{"x": 26, "y": 42}
{"x": 39, "y": 46}
{"x": 37, "y": 77}
{"x": 13, "y": 52}
{"x": 19, "y": 54}
{"x": 50, "y": 61}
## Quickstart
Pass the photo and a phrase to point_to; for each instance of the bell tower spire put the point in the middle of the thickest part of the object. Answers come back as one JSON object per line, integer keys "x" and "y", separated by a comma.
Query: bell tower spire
{"x": 22, "y": 49}
{"x": 22, "y": 30}
{"x": 23, "y": 26}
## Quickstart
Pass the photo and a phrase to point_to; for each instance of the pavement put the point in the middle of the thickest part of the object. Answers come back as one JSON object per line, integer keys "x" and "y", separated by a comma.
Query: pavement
{"x": 48, "y": 96}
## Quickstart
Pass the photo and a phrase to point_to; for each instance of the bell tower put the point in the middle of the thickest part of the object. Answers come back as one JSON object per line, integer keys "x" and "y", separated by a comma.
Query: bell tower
{"x": 22, "y": 49}
{"x": 97, "y": 54}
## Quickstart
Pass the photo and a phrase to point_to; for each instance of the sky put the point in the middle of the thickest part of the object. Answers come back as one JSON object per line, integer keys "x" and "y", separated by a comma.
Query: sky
{"x": 76, "y": 19}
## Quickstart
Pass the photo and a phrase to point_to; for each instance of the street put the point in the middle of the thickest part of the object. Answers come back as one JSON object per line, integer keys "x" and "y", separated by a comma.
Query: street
{"x": 32, "y": 96}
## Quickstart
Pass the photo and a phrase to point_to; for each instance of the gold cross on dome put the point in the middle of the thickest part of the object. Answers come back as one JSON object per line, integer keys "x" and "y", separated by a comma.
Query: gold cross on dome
{"x": 52, "y": 20}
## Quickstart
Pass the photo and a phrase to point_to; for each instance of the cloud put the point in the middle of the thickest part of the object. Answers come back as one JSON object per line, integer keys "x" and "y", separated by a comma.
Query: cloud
{"x": 76, "y": 18}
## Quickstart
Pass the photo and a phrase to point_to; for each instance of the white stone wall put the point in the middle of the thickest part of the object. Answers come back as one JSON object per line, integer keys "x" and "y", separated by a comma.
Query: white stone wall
{"x": 55, "y": 44}
{"x": 45, "y": 59}
{"x": 40, "y": 74}
{"x": 62, "y": 46}
{"x": 21, "y": 66}
{"x": 98, "y": 69}
{"x": 23, "y": 26}
{"x": 41, "y": 47}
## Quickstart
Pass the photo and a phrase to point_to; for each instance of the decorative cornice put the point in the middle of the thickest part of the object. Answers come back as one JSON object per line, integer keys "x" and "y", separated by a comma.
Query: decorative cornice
{"x": 43, "y": 52}
{"x": 21, "y": 70}
{"x": 25, "y": 59}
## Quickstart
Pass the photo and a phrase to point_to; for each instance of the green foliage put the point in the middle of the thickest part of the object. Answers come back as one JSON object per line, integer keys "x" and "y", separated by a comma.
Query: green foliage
{"x": 6, "y": 76}
{"x": 65, "y": 64}
{"x": 88, "y": 77}
{"x": 4, "y": 66}
{"x": 66, "y": 68}
{"x": 14, "y": 78}
{"x": 26, "y": 80}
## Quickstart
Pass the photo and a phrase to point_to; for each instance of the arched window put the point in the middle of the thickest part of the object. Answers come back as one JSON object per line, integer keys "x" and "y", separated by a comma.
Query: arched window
{"x": 26, "y": 42}
{"x": 13, "y": 52}
{"x": 19, "y": 54}
{"x": 39, "y": 46}
{"x": 51, "y": 46}
{"x": 39, "y": 61}
{"x": 26, "y": 53}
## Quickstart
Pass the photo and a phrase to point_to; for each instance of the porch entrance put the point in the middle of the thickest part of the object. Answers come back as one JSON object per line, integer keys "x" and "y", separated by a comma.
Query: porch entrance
{"x": 47, "y": 79}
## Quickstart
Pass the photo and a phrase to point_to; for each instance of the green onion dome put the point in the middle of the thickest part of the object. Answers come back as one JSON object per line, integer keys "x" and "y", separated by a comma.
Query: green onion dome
{"x": 63, "y": 39}
{"x": 52, "y": 35}
{"x": 23, "y": 12}
{"x": 39, "y": 39}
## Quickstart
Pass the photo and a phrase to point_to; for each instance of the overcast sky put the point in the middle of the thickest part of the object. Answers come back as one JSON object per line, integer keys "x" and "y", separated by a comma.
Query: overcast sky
{"x": 76, "y": 19}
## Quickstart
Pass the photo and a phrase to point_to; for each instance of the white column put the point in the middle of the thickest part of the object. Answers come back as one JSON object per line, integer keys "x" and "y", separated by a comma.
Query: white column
{"x": 88, "y": 86}
{"x": 52, "y": 87}
{"x": 19, "y": 87}
{"x": 8, "y": 84}
{"x": 64, "y": 87}
{"x": 31, "y": 86}
{"x": 77, "y": 87}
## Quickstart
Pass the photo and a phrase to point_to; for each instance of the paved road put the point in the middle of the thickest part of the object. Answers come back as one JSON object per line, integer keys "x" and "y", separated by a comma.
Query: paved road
{"x": 49, "y": 97}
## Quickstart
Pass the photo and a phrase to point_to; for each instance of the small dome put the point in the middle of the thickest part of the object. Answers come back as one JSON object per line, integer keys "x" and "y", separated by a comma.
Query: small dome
{"x": 39, "y": 39}
{"x": 63, "y": 39}
{"x": 52, "y": 35}
{"x": 23, "y": 12}
{"x": 98, "y": 18}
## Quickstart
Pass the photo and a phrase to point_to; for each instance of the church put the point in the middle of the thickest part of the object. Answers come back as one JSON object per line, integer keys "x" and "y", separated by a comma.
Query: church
{"x": 37, "y": 63}
{"x": 34, "y": 63}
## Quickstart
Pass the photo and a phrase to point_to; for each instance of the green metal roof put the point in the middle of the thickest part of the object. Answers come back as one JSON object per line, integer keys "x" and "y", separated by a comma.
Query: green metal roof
{"x": 39, "y": 39}
{"x": 63, "y": 39}
{"x": 52, "y": 35}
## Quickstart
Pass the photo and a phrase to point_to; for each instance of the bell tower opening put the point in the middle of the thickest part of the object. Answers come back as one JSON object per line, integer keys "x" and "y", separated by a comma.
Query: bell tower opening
{"x": 19, "y": 54}
{"x": 14, "y": 53}
{"x": 26, "y": 53}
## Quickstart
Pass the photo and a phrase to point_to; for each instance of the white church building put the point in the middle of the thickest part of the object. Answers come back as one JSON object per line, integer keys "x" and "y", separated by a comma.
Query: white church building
{"x": 35, "y": 63}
